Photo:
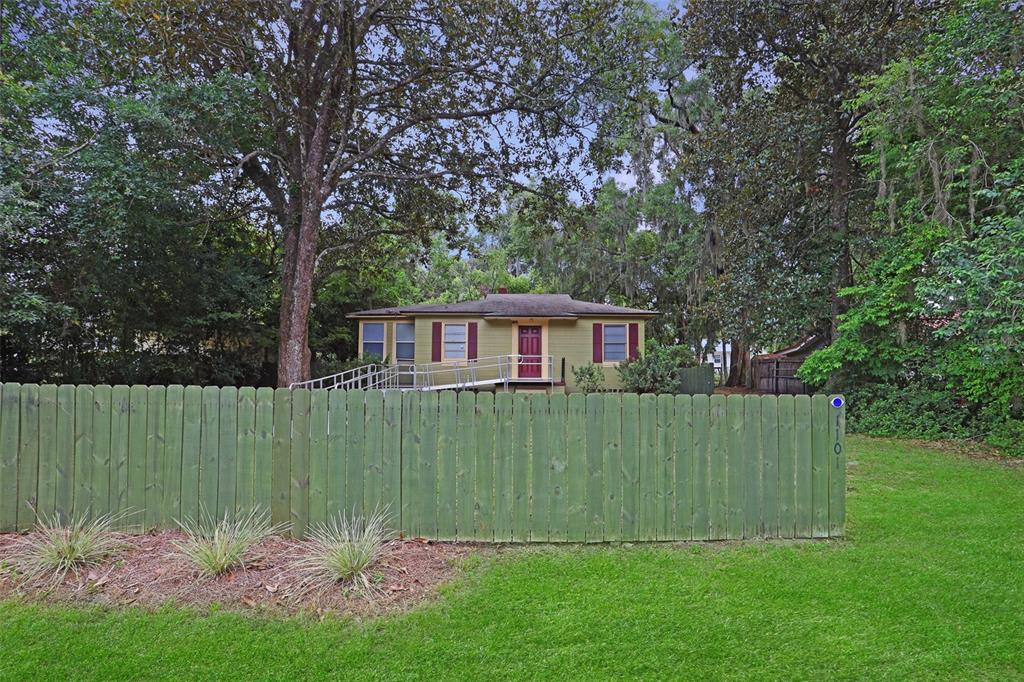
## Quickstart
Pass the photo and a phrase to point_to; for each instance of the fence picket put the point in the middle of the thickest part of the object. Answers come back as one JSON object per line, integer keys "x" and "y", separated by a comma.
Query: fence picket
{"x": 336, "y": 454}
{"x": 298, "y": 496}
{"x": 752, "y": 467}
{"x": 46, "y": 486}
{"x": 281, "y": 458}
{"x": 612, "y": 467}
{"x": 577, "y": 468}
{"x": 770, "y": 466}
{"x": 665, "y": 486}
{"x": 28, "y": 456}
{"x": 373, "y": 451}
{"x": 521, "y": 467}
{"x": 787, "y": 466}
{"x": 446, "y": 466}
{"x": 427, "y": 492}
{"x": 410, "y": 463}
{"x": 595, "y": 468}
{"x": 391, "y": 457}
{"x": 820, "y": 454}
{"x": 540, "y": 465}
{"x": 684, "y": 459}
{"x": 803, "y": 466}
{"x": 718, "y": 502}
{"x": 318, "y": 476}
{"x": 155, "y": 423}
{"x": 64, "y": 488}
{"x": 10, "y": 422}
{"x": 504, "y": 452}
{"x": 192, "y": 419}
{"x": 263, "y": 461}
{"x": 837, "y": 469}
{"x": 355, "y": 411}
{"x": 246, "y": 448}
{"x": 209, "y": 452}
{"x": 630, "y": 465}
{"x": 465, "y": 466}
{"x": 173, "y": 430}
{"x": 486, "y": 428}
{"x": 558, "y": 513}
{"x": 701, "y": 468}
{"x": 83, "y": 452}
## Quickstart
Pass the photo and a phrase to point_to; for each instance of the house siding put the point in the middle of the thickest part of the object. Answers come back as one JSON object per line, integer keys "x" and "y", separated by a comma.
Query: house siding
{"x": 569, "y": 339}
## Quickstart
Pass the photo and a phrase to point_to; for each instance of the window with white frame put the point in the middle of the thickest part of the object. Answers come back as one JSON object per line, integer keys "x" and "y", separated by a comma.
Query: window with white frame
{"x": 614, "y": 342}
{"x": 373, "y": 340}
{"x": 405, "y": 342}
{"x": 454, "y": 341}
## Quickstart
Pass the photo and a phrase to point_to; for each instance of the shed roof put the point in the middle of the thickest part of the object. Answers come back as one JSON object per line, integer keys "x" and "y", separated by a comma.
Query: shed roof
{"x": 510, "y": 305}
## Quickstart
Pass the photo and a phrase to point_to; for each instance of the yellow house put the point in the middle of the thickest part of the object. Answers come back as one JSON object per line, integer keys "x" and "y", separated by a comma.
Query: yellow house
{"x": 513, "y": 341}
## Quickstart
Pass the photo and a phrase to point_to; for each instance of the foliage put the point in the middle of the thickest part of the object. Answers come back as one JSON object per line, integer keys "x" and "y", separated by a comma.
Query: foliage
{"x": 656, "y": 370}
{"x": 589, "y": 378}
{"x": 217, "y": 546}
{"x": 938, "y": 313}
{"x": 392, "y": 120}
{"x": 56, "y": 548}
{"x": 126, "y": 256}
{"x": 342, "y": 551}
{"x": 935, "y": 539}
{"x": 917, "y": 410}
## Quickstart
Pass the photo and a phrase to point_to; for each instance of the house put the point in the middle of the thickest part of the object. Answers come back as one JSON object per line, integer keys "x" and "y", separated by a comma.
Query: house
{"x": 776, "y": 372}
{"x": 504, "y": 341}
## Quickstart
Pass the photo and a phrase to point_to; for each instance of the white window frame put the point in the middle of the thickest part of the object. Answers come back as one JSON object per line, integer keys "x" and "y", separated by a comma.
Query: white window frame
{"x": 604, "y": 344}
{"x": 382, "y": 343}
{"x": 445, "y": 357}
{"x": 399, "y": 360}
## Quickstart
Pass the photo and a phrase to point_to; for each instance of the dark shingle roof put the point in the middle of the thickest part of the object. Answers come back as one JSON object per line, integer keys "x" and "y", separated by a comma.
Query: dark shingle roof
{"x": 510, "y": 305}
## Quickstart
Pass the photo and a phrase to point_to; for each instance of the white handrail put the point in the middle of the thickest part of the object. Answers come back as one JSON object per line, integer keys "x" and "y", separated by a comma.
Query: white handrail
{"x": 425, "y": 377}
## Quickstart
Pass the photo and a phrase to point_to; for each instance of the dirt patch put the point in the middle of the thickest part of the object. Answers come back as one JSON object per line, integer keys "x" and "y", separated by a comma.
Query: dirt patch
{"x": 738, "y": 390}
{"x": 150, "y": 571}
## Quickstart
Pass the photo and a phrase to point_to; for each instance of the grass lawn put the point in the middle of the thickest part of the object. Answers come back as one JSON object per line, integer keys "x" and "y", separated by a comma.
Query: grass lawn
{"x": 929, "y": 583}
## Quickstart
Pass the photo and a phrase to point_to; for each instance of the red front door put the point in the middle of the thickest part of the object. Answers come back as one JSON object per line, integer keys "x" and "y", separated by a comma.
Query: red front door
{"x": 529, "y": 353}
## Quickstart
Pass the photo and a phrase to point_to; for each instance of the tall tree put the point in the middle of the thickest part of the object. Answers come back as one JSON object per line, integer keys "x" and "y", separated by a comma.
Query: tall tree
{"x": 807, "y": 57}
{"x": 385, "y": 116}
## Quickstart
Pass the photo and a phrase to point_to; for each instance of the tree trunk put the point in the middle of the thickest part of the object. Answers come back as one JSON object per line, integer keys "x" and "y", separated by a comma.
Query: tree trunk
{"x": 840, "y": 217}
{"x": 739, "y": 363}
{"x": 297, "y": 297}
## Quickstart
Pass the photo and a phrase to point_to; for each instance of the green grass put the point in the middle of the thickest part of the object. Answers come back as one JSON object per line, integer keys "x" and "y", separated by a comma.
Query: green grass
{"x": 929, "y": 584}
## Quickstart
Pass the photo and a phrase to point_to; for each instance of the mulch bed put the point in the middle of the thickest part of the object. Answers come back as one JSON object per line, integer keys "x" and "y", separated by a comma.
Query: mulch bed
{"x": 150, "y": 571}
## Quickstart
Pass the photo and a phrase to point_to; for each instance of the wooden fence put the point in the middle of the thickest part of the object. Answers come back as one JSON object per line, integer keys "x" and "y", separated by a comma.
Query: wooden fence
{"x": 695, "y": 380}
{"x": 492, "y": 467}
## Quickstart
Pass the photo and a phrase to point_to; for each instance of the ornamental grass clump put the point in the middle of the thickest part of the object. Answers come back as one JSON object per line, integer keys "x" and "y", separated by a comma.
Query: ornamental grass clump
{"x": 215, "y": 547}
{"x": 57, "y": 548}
{"x": 342, "y": 552}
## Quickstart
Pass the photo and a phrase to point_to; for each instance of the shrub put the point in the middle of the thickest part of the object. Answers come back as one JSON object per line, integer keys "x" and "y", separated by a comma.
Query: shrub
{"x": 56, "y": 548}
{"x": 657, "y": 370}
{"x": 589, "y": 378}
{"x": 912, "y": 411}
{"x": 216, "y": 547}
{"x": 342, "y": 551}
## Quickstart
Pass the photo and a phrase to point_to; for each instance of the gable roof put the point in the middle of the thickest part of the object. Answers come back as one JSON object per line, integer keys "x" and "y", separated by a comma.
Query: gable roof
{"x": 510, "y": 305}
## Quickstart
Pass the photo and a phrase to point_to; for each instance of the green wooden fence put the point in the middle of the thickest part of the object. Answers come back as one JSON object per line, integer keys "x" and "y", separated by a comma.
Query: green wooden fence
{"x": 493, "y": 467}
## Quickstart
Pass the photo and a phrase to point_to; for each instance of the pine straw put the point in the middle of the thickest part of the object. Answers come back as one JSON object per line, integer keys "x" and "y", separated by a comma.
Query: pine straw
{"x": 150, "y": 571}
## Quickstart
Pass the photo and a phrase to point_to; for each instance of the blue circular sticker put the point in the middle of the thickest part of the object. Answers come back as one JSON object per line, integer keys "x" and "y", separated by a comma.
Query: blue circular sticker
{"x": 837, "y": 402}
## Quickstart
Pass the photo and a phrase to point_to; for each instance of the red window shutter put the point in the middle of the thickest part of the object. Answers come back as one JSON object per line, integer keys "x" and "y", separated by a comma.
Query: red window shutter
{"x": 598, "y": 342}
{"x": 634, "y": 340}
{"x": 471, "y": 341}
{"x": 435, "y": 342}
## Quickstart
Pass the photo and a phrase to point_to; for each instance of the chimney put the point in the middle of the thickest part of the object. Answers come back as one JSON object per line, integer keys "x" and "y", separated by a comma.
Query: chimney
{"x": 502, "y": 290}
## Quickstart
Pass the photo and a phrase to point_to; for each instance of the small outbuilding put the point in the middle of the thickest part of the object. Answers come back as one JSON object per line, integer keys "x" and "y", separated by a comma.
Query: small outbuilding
{"x": 776, "y": 372}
